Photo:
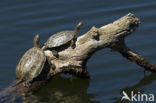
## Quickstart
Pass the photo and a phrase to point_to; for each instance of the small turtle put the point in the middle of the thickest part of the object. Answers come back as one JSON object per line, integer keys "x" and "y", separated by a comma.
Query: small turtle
{"x": 61, "y": 39}
{"x": 31, "y": 64}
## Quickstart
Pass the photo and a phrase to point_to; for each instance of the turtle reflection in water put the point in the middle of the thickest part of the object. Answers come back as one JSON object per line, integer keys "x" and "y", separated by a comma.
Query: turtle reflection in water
{"x": 31, "y": 64}
{"x": 61, "y": 39}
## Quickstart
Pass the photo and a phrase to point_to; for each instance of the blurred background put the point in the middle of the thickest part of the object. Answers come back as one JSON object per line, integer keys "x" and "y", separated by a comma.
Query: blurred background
{"x": 110, "y": 73}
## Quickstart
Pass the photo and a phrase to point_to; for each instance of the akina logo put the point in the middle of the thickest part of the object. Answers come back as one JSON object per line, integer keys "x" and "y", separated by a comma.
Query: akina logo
{"x": 138, "y": 97}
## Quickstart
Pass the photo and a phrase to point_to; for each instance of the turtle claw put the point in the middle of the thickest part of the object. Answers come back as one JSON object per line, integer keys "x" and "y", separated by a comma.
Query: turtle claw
{"x": 26, "y": 84}
{"x": 73, "y": 46}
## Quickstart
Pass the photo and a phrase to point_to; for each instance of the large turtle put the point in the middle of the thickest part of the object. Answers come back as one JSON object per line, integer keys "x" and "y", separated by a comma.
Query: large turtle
{"x": 61, "y": 39}
{"x": 31, "y": 64}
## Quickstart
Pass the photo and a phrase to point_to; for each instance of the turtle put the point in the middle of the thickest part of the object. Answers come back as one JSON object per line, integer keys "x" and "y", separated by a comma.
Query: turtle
{"x": 31, "y": 64}
{"x": 61, "y": 39}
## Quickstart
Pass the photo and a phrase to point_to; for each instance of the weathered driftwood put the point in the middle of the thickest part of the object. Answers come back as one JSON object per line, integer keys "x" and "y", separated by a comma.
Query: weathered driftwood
{"x": 73, "y": 61}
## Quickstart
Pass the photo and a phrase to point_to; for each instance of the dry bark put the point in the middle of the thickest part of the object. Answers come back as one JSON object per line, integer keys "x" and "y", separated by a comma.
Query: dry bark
{"x": 73, "y": 61}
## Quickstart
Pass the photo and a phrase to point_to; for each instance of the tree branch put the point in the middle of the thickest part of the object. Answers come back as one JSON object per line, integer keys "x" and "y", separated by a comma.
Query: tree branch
{"x": 73, "y": 61}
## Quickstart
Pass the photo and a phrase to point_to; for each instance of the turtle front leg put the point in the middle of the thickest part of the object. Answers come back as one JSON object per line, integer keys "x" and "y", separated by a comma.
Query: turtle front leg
{"x": 55, "y": 53}
{"x": 72, "y": 44}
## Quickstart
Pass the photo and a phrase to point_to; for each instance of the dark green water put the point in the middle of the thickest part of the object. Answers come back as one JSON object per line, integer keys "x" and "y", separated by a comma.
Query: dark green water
{"x": 110, "y": 73}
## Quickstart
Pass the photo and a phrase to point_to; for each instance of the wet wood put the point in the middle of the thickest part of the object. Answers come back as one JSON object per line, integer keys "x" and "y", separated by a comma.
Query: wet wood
{"x": 73, "y": 61}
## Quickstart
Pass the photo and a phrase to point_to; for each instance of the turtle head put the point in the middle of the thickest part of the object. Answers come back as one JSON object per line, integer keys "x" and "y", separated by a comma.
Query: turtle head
{"x": 36, "y": 41}
{"x": 78, "y": 26}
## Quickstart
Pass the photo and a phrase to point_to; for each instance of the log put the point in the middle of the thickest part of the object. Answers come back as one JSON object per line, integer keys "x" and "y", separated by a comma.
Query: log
{"x": 73, "y": 61}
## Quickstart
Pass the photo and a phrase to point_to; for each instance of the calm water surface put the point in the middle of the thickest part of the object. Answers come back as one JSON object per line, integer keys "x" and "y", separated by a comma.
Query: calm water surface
{"x": 110, "y": 74}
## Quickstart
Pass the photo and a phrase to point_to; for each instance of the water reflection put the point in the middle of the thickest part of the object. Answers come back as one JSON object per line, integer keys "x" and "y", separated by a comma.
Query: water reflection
{"x": 9, "y": 98}
{"x": 63, "y": 90}
{"x": 146, "y": 80}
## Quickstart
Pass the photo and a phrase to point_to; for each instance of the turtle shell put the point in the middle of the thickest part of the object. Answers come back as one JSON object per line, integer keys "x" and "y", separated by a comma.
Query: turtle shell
{"x": 59, "y": 39}
{"x": 31, "y": 64}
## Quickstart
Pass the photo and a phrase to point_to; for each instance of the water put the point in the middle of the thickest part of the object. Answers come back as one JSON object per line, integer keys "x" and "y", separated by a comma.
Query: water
{"x": 110, "y": 72}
